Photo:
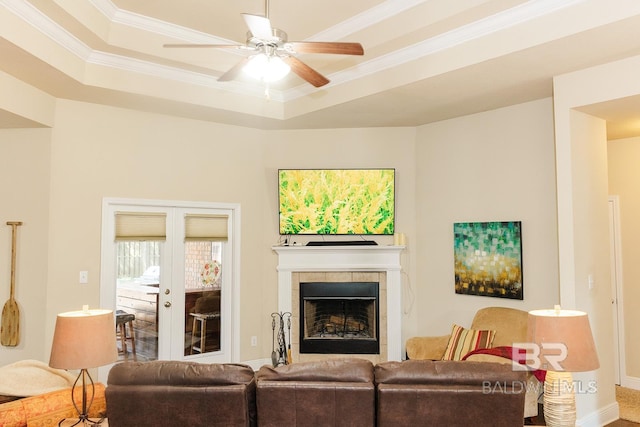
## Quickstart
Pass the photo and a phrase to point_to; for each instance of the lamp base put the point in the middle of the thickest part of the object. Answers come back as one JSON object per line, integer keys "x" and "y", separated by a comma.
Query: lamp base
{"x": 559, "y": 400}
{"x": 70, "y": 422}
{"x": 83, "y": 413}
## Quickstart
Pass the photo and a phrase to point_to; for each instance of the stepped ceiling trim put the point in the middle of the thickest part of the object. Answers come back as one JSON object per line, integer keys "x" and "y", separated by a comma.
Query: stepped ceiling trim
{"x": 425, "y": 60}
{"x": 497, "y": 22}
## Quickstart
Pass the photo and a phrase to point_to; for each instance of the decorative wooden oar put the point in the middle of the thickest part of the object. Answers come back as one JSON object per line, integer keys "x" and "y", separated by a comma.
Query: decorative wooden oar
{"x": 10, "y": 328}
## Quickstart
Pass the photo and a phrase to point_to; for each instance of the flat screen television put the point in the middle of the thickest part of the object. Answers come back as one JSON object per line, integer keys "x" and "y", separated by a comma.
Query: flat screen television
{"x": 336, "y": 201}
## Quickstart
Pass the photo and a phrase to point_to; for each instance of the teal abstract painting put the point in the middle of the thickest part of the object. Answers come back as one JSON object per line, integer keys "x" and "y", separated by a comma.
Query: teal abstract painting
{"x": 488, "y": 259}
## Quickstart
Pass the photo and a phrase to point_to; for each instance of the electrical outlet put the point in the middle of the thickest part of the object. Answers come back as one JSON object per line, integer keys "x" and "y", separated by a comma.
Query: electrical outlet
{"x": 84, "y": 277}
{"x": 254, "y": 341}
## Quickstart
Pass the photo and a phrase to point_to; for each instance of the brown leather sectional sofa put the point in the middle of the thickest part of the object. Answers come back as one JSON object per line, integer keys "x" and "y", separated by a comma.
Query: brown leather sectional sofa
{"x": 339, "y": 392}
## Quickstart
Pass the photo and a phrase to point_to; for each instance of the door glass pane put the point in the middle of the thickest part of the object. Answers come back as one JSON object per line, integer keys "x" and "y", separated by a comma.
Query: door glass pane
{"x": 203, "y": 292}
{"x": 137, "y": 285}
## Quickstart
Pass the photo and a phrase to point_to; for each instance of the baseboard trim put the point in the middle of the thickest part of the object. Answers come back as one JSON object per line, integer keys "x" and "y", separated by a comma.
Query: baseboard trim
{"x": 604, "y": 416}
{"x": 630, "y": 382}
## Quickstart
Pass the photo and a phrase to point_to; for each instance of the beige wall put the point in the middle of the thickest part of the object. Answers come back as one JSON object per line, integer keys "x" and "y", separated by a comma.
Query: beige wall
{"x": 591, "y": 254}
{"x": 583, "y": 240}
{"x": 444, "y": 170}
{"x": 493, "y": 166}
{"x": 24, "y": 196}
{"x": 624, "y": 176}
{"x": 99, "y": 152}
{"x": 343, "y": 148}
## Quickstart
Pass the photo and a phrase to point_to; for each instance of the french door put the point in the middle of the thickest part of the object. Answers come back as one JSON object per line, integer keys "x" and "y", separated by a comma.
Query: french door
{"x": 174, "y": 265}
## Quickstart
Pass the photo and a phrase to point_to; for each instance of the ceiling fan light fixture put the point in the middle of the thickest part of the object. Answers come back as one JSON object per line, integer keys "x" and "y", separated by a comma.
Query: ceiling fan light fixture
{"x": 266, "y": 68}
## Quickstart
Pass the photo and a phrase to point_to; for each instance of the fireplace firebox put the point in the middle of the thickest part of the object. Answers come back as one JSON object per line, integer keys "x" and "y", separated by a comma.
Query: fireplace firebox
{"x": 339, "y": 318}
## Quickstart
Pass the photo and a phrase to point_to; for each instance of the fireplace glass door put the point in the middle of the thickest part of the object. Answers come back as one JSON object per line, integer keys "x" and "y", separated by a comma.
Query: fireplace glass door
{"x": 339, "y": 318}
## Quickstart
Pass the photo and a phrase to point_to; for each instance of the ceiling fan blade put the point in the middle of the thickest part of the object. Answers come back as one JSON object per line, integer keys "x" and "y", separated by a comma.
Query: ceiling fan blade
{"x": 259, "y": 26}
{"x": 339, "y": 48}
{"x": 233, "y": 72}
{"x": 305, "y": 72}
{"x": 217, "y": 46}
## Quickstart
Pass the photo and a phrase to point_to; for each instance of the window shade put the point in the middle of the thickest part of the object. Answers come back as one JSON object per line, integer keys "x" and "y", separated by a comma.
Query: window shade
{"x": 211, "y": 228}
{"x": 141, "y": 226}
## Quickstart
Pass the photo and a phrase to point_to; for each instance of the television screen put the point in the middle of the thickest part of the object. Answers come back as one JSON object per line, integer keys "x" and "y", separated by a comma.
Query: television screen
{"x": 336, "y": 201}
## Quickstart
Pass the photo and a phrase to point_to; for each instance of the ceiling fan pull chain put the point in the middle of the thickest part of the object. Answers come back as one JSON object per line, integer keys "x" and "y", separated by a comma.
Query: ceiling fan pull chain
{"x": 267, "y": 95}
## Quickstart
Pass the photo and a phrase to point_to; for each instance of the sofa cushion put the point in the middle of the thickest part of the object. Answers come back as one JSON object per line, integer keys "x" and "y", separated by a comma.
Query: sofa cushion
{"x": 340, "y": 370}
{"x": 463, "y": 340}
{"x": 48, "y": 409}
{"x": 446, "y": 372}
{"x": 13, "y": 414}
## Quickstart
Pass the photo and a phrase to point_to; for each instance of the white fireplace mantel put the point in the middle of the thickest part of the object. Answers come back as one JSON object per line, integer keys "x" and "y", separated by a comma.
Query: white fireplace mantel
{"x": 347, "y": 258}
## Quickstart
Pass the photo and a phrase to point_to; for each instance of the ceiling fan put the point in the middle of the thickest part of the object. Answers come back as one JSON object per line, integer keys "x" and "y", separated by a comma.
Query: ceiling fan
{"x": 269, "y": 48}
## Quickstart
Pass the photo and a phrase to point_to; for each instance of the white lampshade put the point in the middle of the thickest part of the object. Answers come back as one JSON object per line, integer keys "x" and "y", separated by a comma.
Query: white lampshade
{"x": 266, "y": 68}
{"x": 84, "y": 339}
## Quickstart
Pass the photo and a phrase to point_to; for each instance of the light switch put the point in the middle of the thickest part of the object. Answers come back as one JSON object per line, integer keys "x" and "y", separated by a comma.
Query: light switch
{"x": 84, "y": 277}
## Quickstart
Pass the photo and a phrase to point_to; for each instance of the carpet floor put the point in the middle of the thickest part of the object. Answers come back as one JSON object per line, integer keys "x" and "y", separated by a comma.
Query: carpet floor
{"x": 629, "y": 403}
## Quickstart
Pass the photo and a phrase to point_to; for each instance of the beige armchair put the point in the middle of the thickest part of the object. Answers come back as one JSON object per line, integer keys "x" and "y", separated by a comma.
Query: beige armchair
{"x": 510, "y": 326}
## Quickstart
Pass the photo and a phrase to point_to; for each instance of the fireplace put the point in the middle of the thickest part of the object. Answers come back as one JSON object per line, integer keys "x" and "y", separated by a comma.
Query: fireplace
{"x": 342, "y": 264}
{"x": 339, "y": 318}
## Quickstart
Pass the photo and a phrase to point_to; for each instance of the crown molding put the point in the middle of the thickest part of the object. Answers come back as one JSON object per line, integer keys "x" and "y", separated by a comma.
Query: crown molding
{"x": 153, "y": 25}
{"x": 366, "y": 19}
{"x": 500, "y": 21}
{"x": 160, "y": 71}
{"x": 41, "y": 22}
{"x": 509, "y": 18}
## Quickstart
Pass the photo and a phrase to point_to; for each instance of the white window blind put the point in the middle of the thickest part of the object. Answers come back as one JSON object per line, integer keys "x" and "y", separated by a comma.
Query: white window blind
{"x": 141, "y": 226}
{"x": 211, "y": 228}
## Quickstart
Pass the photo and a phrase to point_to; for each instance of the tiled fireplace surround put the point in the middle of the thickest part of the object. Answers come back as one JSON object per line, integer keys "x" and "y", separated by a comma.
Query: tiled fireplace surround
{"x": 344, "y": 264}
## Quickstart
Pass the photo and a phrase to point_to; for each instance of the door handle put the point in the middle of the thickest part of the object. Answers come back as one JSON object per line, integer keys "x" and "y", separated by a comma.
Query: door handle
{"x": 167, "y": 304}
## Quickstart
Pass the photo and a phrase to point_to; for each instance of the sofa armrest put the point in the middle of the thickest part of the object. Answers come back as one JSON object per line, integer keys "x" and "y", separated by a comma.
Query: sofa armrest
{"x": 427, "y": 348}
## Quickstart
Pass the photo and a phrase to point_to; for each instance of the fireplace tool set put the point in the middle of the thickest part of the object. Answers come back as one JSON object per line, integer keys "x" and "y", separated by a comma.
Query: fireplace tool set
{"x": 281, "y": 356}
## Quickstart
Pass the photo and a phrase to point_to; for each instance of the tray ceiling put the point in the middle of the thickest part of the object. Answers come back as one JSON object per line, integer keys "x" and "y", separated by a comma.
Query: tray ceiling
{"x": 425, "y": 60}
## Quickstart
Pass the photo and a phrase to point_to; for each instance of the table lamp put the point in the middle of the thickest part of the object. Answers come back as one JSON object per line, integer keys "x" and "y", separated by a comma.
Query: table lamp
{"x": 82, "y": 340}
{"x": 565, "y": 344}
